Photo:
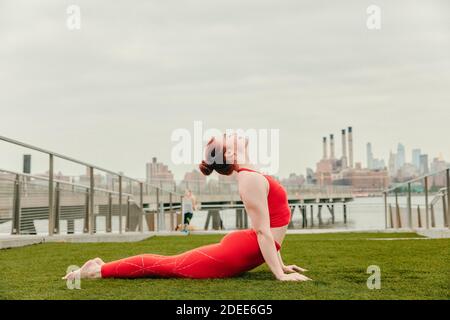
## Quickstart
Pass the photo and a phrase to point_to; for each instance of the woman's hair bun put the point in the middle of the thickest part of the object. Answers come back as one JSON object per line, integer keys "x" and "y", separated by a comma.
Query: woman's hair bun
{"x": 206, "y": 168}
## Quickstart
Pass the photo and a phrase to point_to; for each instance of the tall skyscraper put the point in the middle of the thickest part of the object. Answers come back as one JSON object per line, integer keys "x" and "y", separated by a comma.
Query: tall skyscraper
{"x": 416, "y": 158}
{"x": 401, "y": 156}
{"x": 369, "y": 156}
{"x": 424, "y": 169}
{"x": 309, "y": 176}
{"x": 392, "y": 164}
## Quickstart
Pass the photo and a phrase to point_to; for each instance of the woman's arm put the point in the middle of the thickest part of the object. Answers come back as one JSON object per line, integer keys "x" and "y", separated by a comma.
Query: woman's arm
{"x": 253, "y": 189}
{"x": 281, "y": 260}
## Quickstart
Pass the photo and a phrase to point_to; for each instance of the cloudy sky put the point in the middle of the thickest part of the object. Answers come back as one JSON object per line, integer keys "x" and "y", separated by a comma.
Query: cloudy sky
{"x": 112, "y": 92}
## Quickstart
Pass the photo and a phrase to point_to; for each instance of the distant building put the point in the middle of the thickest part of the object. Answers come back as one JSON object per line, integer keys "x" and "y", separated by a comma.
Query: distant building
{"x": 373, "y": 163}
{"x": 407, "y": 172}
{"x": 401, "y": 156}
{"x": 416, "y": 158}
{"x": 332, "y": 170}
{"x": 369, "y": 156}
{"x": 85, "y": 179}
{"x": 437, "y": 165}
{"x": 310, "y": 178}
{"x": 159, "y": 173}
{"x": 364, "y": 179}
{"x": 293, "y": 180}
{"x": 392, "y": 164}
{"x": 424, "y": 169}
{"x": 378, "y": 164}
{"x": 194, "y": 180}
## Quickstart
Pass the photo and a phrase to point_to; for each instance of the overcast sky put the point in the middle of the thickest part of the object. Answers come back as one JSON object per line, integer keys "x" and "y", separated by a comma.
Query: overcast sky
{"x": 113, "y": 92}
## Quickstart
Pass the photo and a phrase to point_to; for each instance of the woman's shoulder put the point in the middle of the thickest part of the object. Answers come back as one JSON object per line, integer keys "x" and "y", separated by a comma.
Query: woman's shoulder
{"x": 251, "y": 180}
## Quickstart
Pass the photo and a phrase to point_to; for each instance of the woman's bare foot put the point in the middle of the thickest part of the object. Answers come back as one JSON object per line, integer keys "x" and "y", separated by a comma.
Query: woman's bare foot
{"x": 99, "y": 261}
{"x": 90, "y": 270}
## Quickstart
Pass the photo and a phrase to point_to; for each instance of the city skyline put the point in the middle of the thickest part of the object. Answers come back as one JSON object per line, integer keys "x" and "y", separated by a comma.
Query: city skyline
{"x": 156, "y": 170}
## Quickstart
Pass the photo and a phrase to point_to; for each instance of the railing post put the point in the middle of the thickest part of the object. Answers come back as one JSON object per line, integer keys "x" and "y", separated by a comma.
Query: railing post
{"x": 444, "y": 208}
{"x": 127, "y": 217}
{"x": 419, "y": 217}
{"x": 385, "y": 210}
{"x": 409, "y": 206}
{"x": 86, "y": 211}
{"x": 158, "y": 209}
{"x": 427, "y": 218}
{"x": 162, "y": 218}
{"x": 109, "y": 213}
{"x": 91, "y": 201}
{"x": 345, "y": 214}
{"x": 141, "y": 205}
{"x": 238, "y": 218}
{"x": 120, "y": 204}
{"x": 171, "y": 212}
{"x": 57, "y": 210}
{"x": 391, "y": 219}
{"x": 448, "y": 196}
{"x": 397, "y": 210}
{"x": 245, "y": 219}
{"x": 433, "y": 223}
{"x": 15, "y": 228}
{"x": 51, "y": 217}
{"x": 181, "y": 219}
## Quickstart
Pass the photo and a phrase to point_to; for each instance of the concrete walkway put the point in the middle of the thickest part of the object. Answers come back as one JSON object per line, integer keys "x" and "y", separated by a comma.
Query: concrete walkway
{"x": 434, "y": 233}
{"x": 12, "y": 241}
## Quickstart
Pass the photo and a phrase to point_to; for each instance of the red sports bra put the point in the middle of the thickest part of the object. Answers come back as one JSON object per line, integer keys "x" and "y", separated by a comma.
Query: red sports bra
{"x": 279, "y": 211}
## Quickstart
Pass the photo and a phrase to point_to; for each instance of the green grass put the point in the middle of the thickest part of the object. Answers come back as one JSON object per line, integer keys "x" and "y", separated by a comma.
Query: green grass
{"x": 410, "y": 269}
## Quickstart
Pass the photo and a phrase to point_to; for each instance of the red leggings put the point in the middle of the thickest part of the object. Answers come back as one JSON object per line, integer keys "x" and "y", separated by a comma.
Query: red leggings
{"x": 236, "y": 253}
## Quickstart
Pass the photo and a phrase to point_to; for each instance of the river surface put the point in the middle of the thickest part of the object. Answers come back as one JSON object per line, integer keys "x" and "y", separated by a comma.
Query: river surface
{"x": 362, "y": 213}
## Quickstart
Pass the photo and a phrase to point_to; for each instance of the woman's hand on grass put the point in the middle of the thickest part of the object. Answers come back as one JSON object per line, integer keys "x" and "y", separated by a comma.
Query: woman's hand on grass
{"x": 293, "y": 277}
{"x": 293, "y": 268}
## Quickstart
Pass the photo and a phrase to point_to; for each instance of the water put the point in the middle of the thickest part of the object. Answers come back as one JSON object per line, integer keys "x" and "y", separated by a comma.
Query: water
{"x": 362, "y": 213}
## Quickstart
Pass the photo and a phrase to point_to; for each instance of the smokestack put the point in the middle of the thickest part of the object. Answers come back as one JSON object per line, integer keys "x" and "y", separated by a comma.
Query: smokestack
{"x": 331, "y": 146}
{"x": 325, "y": 156}
{"x": 350, "y": 147}
{"x": 27, "y": 163}
{"x": 344, "y": 150}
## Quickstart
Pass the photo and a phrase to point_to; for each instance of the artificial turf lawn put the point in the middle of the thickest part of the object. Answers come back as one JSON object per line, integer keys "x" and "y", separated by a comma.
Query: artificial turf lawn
{"x": 410, "y": 269}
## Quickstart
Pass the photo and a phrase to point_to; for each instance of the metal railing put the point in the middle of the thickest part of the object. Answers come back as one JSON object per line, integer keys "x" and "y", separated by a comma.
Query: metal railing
{"x": 419, "y": 203}
{"x": 214, "y": 187}
{"x": 45, "y": 197}
{"x": 56, "y": 204}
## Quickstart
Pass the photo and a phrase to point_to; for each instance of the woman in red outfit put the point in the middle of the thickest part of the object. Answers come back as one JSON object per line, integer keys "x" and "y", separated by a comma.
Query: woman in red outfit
{"x": 265, "y": 201}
